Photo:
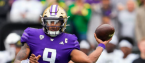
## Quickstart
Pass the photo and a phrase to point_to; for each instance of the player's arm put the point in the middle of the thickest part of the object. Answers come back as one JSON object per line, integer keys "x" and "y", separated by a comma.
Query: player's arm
{"x": 23, "y": 53}
{"x": 80, "y": 57}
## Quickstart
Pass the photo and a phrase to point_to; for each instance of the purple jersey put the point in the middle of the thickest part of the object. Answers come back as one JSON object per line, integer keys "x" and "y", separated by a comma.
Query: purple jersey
{"x": 52, "y": 50}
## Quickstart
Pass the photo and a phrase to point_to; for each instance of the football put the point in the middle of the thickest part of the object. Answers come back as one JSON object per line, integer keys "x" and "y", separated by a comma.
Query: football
{"x": 104, "y": 32}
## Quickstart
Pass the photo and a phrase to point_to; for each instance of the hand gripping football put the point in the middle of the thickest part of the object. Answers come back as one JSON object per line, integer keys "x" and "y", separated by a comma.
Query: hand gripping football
{"x": 104, "y": 32}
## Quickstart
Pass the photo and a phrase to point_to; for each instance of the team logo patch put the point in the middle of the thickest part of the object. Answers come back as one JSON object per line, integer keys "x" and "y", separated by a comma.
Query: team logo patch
{"x": 41, "y": 37}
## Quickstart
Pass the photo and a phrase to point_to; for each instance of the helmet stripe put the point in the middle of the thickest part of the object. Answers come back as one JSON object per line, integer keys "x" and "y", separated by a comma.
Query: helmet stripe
{"x": 53, "y": 10}
{"x": 56, "y": 9}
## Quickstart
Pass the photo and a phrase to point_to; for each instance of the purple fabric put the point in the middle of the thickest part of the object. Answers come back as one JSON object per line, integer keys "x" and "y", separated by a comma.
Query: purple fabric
{"x": 62, "y": 48}
{"x": 49, "y": 54}
{"x": 25, "y": 36}
{"x": 102, "y": 45}
{"x": 107, "y": 12}
{"x": 92, "y": 1}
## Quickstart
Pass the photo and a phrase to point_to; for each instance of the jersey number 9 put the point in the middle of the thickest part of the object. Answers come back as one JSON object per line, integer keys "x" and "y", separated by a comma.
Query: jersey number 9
{"x": 53, "y": 55}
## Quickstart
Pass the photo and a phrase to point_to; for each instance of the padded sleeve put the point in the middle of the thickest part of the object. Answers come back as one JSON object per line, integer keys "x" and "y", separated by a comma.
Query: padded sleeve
{"x": 26, "y": 34}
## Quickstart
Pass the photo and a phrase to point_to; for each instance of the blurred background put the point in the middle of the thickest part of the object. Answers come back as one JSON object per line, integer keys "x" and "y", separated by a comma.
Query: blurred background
{"x": 127, "y": 17}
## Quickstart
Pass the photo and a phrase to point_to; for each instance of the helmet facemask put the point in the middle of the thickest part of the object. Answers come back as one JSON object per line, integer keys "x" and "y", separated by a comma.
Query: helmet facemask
{"x": 53, "y": 26}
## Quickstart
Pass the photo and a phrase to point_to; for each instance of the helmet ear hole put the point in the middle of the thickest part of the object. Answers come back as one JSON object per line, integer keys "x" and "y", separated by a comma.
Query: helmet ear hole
{"x": 61, "y": 16}
{"x": 45, "y": 16}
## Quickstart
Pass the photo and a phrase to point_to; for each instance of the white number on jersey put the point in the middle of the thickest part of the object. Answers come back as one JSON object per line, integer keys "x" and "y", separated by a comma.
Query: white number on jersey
{"x": 53, "y": 55}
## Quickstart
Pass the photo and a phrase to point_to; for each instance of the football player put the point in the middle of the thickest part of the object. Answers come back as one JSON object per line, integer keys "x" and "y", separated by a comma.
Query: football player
{"x": 51, "y": 44}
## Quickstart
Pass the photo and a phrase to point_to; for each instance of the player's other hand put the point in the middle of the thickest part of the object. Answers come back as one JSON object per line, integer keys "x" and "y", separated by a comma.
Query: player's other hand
{"x": 100, "y": 41}
{"x": 34, "y": 59}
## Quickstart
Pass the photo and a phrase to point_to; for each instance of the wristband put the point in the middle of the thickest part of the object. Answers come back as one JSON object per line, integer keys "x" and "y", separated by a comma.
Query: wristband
{"x": 102, "y": 45}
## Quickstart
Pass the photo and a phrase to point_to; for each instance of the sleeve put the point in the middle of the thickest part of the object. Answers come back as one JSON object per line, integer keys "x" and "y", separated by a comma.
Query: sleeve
{"x": 75, "y": 43}
{"x": 26, "y": 34}
{"x": 137, "y": 27}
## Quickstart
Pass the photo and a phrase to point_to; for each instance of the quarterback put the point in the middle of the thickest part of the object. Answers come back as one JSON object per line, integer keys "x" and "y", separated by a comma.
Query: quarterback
{"x": 51, "y": 44}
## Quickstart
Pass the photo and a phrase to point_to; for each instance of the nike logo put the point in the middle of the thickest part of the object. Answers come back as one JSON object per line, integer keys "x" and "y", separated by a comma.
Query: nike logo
{"x": 61, "y": 43}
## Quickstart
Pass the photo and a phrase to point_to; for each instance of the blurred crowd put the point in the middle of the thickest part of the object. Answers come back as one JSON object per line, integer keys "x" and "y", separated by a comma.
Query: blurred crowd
{"x": 126, "y": 16}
